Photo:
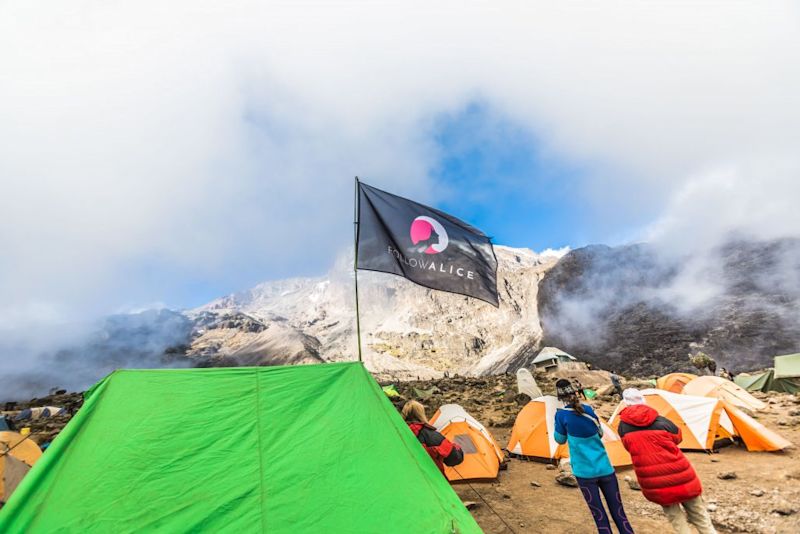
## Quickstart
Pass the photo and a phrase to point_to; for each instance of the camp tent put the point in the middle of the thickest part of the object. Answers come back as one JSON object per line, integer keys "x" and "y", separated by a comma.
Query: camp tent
{"x": 308, "y": 448}
{"x": 705, "y": 420}
{"x": 17, "y": 455}
{"x": 766, "y": 381}
{"x": 784, "y": 378}
{"x": 482, "y": 455}
{"x": 533, "y": 430}
{"x": 550, "y": 358}
{"x": 527, "y": 384}
{"x": 39, "y": 412}
{"x": 674, "y": 382}
{"x": 787, "y": 366}
{"x": 714, "y": 386}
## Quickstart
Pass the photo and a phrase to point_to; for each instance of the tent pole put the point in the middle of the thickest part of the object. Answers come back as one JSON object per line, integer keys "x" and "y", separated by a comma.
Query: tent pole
{"x": 355, "y": 267}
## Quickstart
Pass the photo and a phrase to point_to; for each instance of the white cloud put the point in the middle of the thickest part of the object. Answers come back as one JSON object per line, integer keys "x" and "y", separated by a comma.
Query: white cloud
{"x": 208, "y": 138}
{"x": 555, "y": 252}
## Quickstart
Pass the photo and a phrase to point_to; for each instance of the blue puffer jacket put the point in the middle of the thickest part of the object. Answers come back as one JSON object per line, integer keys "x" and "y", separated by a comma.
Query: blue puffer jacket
{"x": 587, "y": 454}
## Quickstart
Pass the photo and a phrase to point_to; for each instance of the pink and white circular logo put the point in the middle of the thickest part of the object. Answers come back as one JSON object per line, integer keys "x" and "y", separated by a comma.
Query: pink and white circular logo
{"x": 428, "y": 235}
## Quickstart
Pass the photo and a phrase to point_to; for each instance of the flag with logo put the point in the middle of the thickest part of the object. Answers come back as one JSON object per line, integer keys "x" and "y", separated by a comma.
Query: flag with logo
{"x": 427, "y": 246}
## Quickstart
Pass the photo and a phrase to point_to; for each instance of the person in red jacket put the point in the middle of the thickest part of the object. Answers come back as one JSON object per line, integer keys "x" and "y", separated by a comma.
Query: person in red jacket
{"x": 441, "y": 450}
{"x": 664, "y": 473}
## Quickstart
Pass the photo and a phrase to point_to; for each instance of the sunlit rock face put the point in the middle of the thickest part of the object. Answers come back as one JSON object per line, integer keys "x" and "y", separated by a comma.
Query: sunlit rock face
{"x": 406, "y": 330}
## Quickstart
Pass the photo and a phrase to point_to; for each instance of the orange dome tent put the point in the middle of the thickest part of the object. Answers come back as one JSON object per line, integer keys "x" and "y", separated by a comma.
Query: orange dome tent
{"x": 704, "y": 420}
{"x": 482, "y": 455}
{"x": 533, "y": 430}
{"x": 17, "y": 455}
{"x": 674, "y": 382}
{"x": 714, "y": 386}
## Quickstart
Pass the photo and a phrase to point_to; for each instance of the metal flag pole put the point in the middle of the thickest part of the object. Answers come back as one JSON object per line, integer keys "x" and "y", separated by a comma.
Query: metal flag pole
{"x": 355, "y": 267}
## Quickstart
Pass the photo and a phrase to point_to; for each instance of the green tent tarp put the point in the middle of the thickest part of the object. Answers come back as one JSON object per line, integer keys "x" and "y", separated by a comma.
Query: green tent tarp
{"x": 766, "y": 381}
{"x": 787, "y": 366}
{"x": 314, "y": 448}
{"x": 754, "y": 382}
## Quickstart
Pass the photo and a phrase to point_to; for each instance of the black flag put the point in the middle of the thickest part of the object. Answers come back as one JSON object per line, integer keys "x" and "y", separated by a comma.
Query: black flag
{"x": 427, "y": 246}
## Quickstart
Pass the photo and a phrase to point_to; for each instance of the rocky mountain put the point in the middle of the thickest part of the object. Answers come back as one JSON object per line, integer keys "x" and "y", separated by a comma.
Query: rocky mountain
{"x": 627, "y": 308}
{"x": 632, "y": 309}
{"x": 407, "y": 331}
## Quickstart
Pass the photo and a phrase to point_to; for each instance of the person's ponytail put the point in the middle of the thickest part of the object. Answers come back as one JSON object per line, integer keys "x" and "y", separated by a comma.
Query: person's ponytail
{"x": 575, "y": 403}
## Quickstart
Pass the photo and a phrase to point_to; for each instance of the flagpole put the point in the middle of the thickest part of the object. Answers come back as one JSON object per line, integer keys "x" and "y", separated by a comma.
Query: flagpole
{"x": 355, "y": 266}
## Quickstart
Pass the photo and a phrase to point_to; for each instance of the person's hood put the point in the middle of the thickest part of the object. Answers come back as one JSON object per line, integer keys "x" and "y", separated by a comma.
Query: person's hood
{"x": 638, "y": 415}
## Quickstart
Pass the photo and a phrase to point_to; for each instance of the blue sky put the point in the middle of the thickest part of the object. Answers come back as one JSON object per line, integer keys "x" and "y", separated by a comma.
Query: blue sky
{"x": 497, "y": 176}
{"x": 505, "y": 179}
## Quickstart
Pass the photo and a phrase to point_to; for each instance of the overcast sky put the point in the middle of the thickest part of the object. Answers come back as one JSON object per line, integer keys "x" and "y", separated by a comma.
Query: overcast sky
{"x": 171, "y": 152}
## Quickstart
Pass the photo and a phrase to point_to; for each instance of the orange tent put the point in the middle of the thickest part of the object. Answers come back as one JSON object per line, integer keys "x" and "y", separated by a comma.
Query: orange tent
{"x": 533, "y": 430}
{"x": 720, "y": 388}
{"x": 674, "y": 382}
{"x": 482, "y": 455}
{"x": 17, "y": 455}
{"x": 704, "y": 420}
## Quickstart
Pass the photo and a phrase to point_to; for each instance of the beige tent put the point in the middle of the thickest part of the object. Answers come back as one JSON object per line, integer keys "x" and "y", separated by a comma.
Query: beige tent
{"x": 720, "y": 388}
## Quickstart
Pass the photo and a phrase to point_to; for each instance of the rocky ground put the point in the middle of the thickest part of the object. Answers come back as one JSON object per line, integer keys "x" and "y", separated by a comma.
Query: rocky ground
{"x": 45, "y": 430}
{"x": 762, "y": 498}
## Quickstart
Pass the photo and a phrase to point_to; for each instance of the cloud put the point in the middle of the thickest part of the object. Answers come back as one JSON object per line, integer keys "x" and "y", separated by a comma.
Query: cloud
{"x": 147, "y": 148}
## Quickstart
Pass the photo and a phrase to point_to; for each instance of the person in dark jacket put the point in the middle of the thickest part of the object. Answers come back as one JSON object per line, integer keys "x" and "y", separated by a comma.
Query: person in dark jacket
{"x": 664, "y": 473}
{"x": 578, "y": 425}
{"x": 615, "y": 381}
{"x": 579, "y": 388}
{"x": 441, "y": 450}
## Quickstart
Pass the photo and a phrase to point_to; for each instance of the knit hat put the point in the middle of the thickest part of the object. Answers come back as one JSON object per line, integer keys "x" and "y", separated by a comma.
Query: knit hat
{"x": 564, "y": 388}
{"x": 632, "y": 397}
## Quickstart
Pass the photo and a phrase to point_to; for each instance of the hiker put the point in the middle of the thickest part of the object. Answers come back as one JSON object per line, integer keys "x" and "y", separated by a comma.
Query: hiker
{"x": 579, "y": 388}
{"x": 664, "y": 473}
{"x": 616, "y": 383}
{"x": 724, "y": 373}
{"x": 441, "y": 450}
{"x": 578, "y": 425}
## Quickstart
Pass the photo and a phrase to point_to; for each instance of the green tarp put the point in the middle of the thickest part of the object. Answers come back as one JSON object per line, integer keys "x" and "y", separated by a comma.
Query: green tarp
{"x": 315, "y": 448}
{"x": 787, "y": 366}
{"x": 766, "y": 381}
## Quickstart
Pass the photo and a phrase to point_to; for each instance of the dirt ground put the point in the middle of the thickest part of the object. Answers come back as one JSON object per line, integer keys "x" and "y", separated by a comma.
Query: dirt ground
{"x": 554, "y": 508}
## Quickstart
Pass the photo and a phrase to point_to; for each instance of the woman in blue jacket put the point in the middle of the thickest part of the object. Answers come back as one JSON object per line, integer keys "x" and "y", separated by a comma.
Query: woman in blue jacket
{"x": 578, "y": 425}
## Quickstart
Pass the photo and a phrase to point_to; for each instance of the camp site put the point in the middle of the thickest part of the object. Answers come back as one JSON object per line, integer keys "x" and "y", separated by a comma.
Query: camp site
{"x": 512, "y": 477}
{"x": 399, "y": 267}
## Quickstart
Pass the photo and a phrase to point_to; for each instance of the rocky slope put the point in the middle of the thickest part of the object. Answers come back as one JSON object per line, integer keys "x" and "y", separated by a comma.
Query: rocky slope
{"x": 407, "y": 330}
{"x": 626, "y": 308}
{"x": 629, "y": 309}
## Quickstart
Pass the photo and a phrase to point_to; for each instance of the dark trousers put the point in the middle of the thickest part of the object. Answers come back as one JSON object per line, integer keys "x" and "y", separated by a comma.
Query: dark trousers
{"x": 591, "y": 488}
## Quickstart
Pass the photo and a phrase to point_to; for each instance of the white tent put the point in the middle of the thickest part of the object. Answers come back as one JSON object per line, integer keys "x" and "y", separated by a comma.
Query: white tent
{"x": 527, "y": 384}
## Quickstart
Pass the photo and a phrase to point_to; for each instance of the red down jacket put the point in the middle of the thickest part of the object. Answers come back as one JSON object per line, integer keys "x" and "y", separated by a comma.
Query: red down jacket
{"x": 664, "y": 473}
{"x": 441, "y": 450}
